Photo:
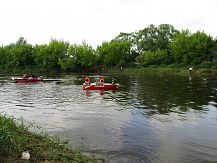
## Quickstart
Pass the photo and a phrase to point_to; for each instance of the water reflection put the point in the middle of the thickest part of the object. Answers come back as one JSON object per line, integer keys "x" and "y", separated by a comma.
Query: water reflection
{"x": 100, "y": 92}
{"x": 165, "y": 94}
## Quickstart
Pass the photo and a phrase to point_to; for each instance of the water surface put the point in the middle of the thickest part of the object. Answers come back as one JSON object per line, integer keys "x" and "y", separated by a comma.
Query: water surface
{"x": 150, "y": 118}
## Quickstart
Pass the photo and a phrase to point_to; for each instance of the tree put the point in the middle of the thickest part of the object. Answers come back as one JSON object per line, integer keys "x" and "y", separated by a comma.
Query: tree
{"x": 190, "y": 48}
{"x": 154, "y": 58}
{"x": 21, "y": 41}
{"x": 58, "y": 50}
{"x": 180, "y": 45}
{"x": 50, "y": 57}
{"x": 3, "y": 60}
{"x": 83, "y": 55}
{"x": 19, "y": 55}
{"x": 131, "y": 39}
{"x": 41, "y": 57}
{"x": 152, "y": 37}
{"x": 114, "y": 53}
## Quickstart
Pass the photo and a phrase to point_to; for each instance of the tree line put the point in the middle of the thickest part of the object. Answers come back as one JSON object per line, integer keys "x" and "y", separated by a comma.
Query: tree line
{"x": 152, "y": 46}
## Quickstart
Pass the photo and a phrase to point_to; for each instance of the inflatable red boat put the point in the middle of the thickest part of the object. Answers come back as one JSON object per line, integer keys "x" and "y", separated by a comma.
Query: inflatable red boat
{"x": 100, "y": 85}
{"x": 105, "y": 86}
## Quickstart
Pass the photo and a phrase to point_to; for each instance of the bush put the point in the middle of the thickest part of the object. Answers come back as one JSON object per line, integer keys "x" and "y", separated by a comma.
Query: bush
{"x": 214, "y": 66}
{"x": 208, "y": 64}
{"x": 7, "y": 143}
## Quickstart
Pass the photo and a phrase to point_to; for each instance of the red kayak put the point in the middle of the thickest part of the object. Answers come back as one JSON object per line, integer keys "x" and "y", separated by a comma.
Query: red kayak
{"x": 105, "y": 86}
{"x": 26, "y": 79}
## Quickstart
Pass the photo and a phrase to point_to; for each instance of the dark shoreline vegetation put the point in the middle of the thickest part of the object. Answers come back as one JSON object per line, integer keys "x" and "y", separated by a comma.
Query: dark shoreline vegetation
{"x": 154, "y": 46}
{"x": 16, "y": 138}
{"x": 176, "y": 71}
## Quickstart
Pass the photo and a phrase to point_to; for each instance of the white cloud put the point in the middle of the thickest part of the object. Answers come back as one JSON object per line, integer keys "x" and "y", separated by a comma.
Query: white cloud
{"x": 99, "y": 20}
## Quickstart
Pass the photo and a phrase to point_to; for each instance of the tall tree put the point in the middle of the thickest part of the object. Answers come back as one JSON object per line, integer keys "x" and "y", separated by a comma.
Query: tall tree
{"x": 19, "y": 55}
{"x": 49, "y": 57}
{"x": 131, "y": 39}
{"x": 114, "y": 53}
{"x": 82, "y": 55}
{"x": 190, "y": 48}
{"x": 152, "y": 37}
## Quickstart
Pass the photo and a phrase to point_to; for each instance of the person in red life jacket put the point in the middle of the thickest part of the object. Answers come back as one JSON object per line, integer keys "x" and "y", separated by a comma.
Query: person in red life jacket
{"x": 87, "y": 80}
{"x": 101, "y": 80}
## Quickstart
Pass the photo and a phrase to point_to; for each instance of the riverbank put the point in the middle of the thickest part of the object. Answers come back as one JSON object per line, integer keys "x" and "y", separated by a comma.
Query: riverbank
{"x": 135, "y": 70}
{"x": 15, "y": 138}
{"x": 159, "y": 70}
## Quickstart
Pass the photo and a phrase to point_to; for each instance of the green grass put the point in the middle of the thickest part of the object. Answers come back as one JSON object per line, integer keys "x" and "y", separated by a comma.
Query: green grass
{"x": 15, "y": 138}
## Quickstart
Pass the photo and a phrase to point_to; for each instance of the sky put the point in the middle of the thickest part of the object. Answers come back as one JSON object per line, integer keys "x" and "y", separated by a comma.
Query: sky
{"x": 95, "y": 21}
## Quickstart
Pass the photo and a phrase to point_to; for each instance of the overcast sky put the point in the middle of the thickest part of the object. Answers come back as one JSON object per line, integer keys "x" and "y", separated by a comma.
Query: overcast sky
{"x": 96, "y": 21}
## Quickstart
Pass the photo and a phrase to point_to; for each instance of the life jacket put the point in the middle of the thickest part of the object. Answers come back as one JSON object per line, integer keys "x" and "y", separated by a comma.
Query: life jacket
{"x": 101, "y": 80}
{"x": 87, "y": 80}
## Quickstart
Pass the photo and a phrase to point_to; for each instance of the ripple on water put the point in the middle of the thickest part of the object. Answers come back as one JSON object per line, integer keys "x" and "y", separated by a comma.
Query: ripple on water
{"x": 213, "y": 103}
{"x": 149, "y": 118}
{"x": 201, "y": 149}
{"x": 125, "y": 156}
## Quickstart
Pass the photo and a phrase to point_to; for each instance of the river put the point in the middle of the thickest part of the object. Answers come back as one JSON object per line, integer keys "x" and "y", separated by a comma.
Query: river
{"x": 150, "y": 118}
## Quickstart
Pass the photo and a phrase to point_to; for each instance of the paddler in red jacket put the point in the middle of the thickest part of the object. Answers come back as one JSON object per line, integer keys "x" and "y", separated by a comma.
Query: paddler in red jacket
{"x": 87, "y": 80}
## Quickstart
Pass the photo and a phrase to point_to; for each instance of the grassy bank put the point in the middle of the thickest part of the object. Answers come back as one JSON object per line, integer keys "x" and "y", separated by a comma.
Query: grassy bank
{"x": 15, "y": 138}
{"x": 178, "y": 71}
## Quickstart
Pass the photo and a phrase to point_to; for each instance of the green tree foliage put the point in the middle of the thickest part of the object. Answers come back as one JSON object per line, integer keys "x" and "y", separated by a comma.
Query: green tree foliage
{"x": 190, "y": 48}
{"x": 21, "y": 41}
{"x": 19, "y": 55}
{"x": 41, "y": 57}
{"x": 131, "y": 39}
{"x": 82, "y": 55}
{"x": 114, "y": 53}
{"x": 153, "y": 45}
{"x": 50, "y": 57}
{"x": 179, "y": 46}
{"x": 154, "y": 58}
{"x": 3, "y": 60}
{"x": 152, "y": 37}
{"x": 58, "y": 50}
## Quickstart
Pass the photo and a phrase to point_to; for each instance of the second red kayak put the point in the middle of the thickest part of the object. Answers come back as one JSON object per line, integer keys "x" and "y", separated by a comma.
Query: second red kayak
{"x": 26, "y": 79}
